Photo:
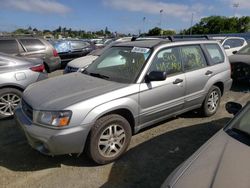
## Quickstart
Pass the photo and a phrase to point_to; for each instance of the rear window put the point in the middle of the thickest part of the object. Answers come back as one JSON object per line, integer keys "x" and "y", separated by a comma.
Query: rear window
{"x": 32, "y": 44}
{"x": 215, "y": 53}
{"x": 234, "y": 43}
{"x": 9, "y": 46}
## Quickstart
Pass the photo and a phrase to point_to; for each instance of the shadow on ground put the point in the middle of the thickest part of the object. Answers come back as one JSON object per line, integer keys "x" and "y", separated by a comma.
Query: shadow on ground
{"x": 17, "y": 155}
{"x": 241, "y": 86}
{"x": 149, "y": 164}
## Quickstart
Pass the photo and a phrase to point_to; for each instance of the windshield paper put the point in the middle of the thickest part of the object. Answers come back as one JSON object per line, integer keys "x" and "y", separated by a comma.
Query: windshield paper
{"x": 140, "y": 50}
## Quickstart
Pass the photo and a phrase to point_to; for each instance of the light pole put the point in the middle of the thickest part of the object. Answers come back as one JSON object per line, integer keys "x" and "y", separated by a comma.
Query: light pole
{"x": 143, "y": 20}
{"x": 161, "y": 12}
{"x": 191, "y": 26}
{"x": 235, "y": 6}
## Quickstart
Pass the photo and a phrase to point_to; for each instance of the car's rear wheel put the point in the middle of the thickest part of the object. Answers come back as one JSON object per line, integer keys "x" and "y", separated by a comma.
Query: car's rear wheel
{"x": 109, "y": 138}
{"x": 9, "y": 99}
{"x": 212, "y": 101}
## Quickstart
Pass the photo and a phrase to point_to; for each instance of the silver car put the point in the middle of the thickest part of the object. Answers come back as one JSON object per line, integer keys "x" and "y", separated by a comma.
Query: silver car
{"x": 223, "y": 161}
{"x": 129, "y": 87}
{"x": 16, "y": 74}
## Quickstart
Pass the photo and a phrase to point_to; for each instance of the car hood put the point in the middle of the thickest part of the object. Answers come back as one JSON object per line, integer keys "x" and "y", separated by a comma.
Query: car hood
{"x": 237, "y": 58}
{"x": 60, "y": 92}
{"x": 82, "y": 61}
{"x": 221, "y": 162}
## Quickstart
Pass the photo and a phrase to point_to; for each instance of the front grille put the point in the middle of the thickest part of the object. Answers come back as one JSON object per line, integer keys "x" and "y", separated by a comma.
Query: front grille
{"x": 27, "y": 109}
{"x": 69, "y": 69}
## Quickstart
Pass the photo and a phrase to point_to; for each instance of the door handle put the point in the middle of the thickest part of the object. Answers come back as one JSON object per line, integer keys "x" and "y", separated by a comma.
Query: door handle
{"x": 208, "y": 73}
{"x": 177, "y": 81}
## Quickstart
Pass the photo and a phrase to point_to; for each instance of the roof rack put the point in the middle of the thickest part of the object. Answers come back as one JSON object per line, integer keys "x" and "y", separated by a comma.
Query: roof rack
{"x": 173, "y": 38}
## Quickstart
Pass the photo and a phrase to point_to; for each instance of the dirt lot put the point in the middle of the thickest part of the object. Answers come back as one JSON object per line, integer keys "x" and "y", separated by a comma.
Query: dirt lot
{"x": 152, "y": 155}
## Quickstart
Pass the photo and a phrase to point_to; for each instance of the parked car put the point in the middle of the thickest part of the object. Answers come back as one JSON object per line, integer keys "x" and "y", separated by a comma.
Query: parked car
{"x": 82, "y": 62}
{"x": 16, "y": 74}
{"x": 231, "y": 44}
{"x": 32, "y": 47}
{"x": 70, "y": 49}
{"x": 223, "y": 161}
{"x": 131, "y": 86}
{"x": 240, "y": 63}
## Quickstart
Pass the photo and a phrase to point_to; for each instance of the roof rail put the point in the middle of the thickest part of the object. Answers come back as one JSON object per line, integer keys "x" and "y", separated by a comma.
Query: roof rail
{"x": 173, "y": 38}
{"x": 19, "y": 35}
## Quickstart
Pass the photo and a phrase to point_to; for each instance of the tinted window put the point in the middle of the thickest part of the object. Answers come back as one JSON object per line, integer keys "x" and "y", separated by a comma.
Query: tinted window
{"x": 78, "y": 45}
{"x": 233, "y": 43}
{"x": 193, "y": 57}
{"x": 9, "y": 46}
{"x": 167, "y": 60}
{"x": 32, "y": 44}
{"x": 215, "y": 53}
{"x": 245, "y": 50}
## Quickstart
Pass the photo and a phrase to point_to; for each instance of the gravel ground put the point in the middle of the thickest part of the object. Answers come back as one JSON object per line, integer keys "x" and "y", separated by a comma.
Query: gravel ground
{"x": 152, "y": 155}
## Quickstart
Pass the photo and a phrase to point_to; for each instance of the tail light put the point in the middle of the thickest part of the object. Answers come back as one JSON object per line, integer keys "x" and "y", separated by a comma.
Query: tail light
{"x": 39, "y": 68}
{"x": 55, "y": 54}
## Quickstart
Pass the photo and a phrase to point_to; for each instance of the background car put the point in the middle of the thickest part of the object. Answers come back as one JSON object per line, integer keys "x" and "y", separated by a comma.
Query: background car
{"x": 223, "y": 161}
{"x": 31, "y": 47}
{"x": 240, "y": 63}
{"x": 78, "y": 63}
{"x": 70, "y": 49}
{"x": 231, "y": 44}
{"x": 16, "y": 74}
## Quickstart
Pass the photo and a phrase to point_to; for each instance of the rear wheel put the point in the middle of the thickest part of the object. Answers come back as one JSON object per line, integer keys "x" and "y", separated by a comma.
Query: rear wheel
{"x": 109, "y": 138}
{"x": 9, "y": 99}
{"x": 212, "y": 101}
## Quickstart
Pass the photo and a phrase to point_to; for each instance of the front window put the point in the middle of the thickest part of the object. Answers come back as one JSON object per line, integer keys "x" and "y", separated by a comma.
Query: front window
{"x": 119, "y": 64}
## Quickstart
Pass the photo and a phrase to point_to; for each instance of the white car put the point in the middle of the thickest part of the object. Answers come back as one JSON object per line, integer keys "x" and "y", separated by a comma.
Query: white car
{"x": 231, "y": 44}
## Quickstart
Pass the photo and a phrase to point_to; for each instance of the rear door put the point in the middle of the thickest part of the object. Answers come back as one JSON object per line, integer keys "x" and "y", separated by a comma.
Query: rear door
{"x": 159, "y": 99}
{"x": 197, "y": 74}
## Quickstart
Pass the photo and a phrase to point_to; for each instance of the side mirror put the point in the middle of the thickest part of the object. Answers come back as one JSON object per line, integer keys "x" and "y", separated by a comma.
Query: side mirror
{"x": 156, "y": 76}
{"x": 234, "y": 52}
{"x": 233, "y": 107}
{"x": 226, "y": 47}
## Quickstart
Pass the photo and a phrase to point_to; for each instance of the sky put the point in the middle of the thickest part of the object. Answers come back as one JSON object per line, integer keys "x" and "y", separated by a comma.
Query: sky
{"x": 123, "y": 16}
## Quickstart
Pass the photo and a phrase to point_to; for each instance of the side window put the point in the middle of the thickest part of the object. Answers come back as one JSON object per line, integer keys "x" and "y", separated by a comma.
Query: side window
{"x": 167, "y": 60}
{"x": 192, "y": 57}
{"x": 215, "y": 53}
{"x": 32, "y": 44}
{"x": 78, "y": 45}
{"x": 234, "y": 43}
{"x": 9, "y": 46}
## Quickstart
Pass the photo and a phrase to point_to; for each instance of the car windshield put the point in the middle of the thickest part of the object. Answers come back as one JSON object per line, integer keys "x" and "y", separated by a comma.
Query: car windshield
{"x": 242, "y": 123}
{"x": 119, "y": 64}
{"x": 245, "y": 50}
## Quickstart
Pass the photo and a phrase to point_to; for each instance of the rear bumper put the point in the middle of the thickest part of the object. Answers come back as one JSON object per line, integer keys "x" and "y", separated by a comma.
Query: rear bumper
{"x": 52, "y": 141}
{"x": 42, "y": 76}
{"x": 54, "y": 64}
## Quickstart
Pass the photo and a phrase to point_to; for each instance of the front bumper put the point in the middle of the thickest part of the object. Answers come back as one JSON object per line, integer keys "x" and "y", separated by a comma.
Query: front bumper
{"x": 52, "y": 141}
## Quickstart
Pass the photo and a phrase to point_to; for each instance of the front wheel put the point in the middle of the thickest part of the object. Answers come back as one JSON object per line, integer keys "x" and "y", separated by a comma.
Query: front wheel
{"x": 109, "y": 138}
{"x": 9, "y": 99}
{"x": 212, "y": 101}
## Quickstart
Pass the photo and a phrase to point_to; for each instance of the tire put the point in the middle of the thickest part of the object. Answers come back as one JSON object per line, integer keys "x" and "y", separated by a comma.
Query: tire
{"x": 46, "y": 68}
{"x": 105, "y": 146}
{"x": 212, "y": 101}
{"x": 9, "y": 99}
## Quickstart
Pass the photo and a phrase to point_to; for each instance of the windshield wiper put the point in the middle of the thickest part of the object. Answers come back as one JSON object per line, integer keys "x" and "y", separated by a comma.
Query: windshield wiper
{"x": 99, "y": 75}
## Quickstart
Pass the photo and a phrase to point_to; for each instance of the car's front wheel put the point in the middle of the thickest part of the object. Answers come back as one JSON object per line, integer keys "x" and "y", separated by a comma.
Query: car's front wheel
{"x": 9, "y": 99}
{"x": 109, "y": 138}
{"x": 212, "y": 101}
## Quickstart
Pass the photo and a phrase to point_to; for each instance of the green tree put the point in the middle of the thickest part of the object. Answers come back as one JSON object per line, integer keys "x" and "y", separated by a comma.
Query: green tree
{"x": 155, "y": 31}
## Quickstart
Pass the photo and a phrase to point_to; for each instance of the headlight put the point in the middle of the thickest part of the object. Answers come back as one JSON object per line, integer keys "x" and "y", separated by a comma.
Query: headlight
{"x": 54, "y": 118}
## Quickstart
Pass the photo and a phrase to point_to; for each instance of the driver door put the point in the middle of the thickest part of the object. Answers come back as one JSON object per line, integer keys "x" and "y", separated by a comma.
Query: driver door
{"x": 160, "y": 99}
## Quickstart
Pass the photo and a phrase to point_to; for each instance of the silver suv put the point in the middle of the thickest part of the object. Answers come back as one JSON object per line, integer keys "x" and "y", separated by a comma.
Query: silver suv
{"x": 129, "y": 87}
